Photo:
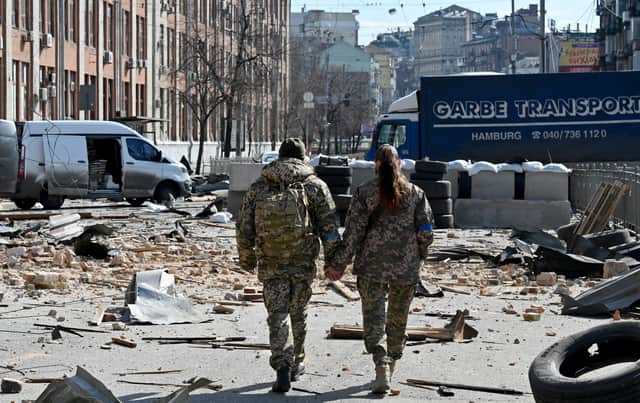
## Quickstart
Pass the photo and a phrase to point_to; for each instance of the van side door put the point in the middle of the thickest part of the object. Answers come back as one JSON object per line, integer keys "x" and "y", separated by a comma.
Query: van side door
{"x": 142, "y": 168}
{"x": 66, "y": 164}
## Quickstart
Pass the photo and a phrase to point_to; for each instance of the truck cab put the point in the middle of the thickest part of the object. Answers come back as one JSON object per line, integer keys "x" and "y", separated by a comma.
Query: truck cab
{"x": 400, "y": 128}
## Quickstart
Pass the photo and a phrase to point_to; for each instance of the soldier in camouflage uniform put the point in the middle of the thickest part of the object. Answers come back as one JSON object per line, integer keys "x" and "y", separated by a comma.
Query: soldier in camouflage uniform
{"x": 283, "y": 216}
{"x": 389, "y": 245}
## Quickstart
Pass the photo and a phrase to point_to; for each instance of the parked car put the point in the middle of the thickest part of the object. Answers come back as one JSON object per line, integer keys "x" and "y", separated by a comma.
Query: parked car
{"x": 268, "y": 157}
{"x": 49, "y": 161}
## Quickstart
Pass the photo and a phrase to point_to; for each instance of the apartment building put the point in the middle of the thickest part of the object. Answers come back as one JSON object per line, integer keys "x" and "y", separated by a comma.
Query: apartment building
{"x": 120, "y": 59}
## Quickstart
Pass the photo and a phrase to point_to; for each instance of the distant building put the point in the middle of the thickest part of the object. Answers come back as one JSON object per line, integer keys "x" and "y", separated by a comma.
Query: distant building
{"x": 484, "y": 54}
{"x": 387, "y": 81}
{"x": 401, "y": 46}
{"x": 619, "y": 36}
{"x": 439, "y": 37}
{"x": 326, "y": 26}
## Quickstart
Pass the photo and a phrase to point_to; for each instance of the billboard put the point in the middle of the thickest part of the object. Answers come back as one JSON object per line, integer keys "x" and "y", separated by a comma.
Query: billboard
{"x": 578, "y": 56}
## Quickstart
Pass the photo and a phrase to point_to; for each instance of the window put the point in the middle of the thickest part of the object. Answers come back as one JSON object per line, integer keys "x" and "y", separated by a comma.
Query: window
{"x": 125, "y": 98}
{"x": 24, "y": 83}
{"x": 71, "y": 21}
{"x": 126, "y": 29}
{"x": 171, "y": 46}
{"x": 15, "y": 68}
{"x": 161, "y": 45}
{"x": 108, "y": 93}
{"x": 141, "y": 30}
{"x": 25, "y": 20}
{"x": 90, "y": 23}
{"x": 14, "y": 13}
{"x": 396, "y": 135}
{"x": 51, "y": 17}
{"x": 142, "y": 151}
{"x": 141, "y": 108}
{"x": 71, "y": 82}
{"x": 108, "y": 21}
{"x": 43, "y": 20}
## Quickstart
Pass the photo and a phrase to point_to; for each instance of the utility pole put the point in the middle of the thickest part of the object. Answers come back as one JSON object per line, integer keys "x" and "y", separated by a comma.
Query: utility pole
{"x": 543, "y": 47}
{"x": 513, "y": 56}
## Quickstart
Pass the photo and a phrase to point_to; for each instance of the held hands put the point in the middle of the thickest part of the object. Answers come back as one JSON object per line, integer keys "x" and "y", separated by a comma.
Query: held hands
{"x": 332, "y": 273}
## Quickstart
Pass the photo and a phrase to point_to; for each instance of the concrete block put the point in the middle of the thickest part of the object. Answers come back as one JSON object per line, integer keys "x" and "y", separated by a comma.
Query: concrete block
{"x": 546, "y": 186}
{"x": 452, "y": 176}
{"x": 521, "y": 214}
{"x": 234, "y": 201}
{"x": 242, "y": 175}
{"x": 493, "y": 186}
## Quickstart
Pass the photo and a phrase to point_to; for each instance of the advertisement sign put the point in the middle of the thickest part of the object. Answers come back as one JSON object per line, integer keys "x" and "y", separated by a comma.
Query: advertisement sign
{"x": 578, "y": 56}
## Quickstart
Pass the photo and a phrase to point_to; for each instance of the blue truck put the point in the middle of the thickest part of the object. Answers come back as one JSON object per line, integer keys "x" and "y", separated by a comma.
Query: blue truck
{"x": 571, "y": 117}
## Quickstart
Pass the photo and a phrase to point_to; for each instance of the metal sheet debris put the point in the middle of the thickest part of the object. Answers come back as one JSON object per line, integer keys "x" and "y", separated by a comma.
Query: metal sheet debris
{"x": 82, "y": 387}
{"x": 616, "y": 293}
{"x": 152, "y": 298}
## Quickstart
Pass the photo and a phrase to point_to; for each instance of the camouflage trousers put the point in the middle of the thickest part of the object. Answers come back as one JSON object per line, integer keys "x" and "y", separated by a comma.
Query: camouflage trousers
{"x": 385, "y": 328}
{"x": 284, "y": 299}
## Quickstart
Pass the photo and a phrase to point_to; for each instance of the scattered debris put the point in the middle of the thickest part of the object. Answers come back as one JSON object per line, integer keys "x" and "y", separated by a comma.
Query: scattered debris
{"x": 123, "y": 341}
{"x": 546, "y": 279}
{"x": 457, "y": 330}
{"x": 485, "y": 389}
{"x": 615, "y": 293}
{"x": 427, "y": 290}
{"x": 9, "y": 385}
{"x": 82, "y": 387}
{"x": 570, "y": 265}
{"x": 152, "y": 298}
{"x": 344, "y": 291}
{"x": 613, "y": 268}
{"x": 222, "y": 309}
{"x": 251, "y": 294}
{"x": 182, "y": 395}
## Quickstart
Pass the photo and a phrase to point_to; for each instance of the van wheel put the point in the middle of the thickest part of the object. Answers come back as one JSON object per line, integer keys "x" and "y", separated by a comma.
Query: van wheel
{"x": 25, "y": 204}
{"x": 51, "y": 202}
{"x": 163, "y": 191}
{"x": 136, "y": 201}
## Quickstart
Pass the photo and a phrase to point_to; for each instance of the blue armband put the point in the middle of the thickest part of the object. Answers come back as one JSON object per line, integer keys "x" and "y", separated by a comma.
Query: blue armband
{"x": 425, "y": 227}
{"x": 331, "y": 236}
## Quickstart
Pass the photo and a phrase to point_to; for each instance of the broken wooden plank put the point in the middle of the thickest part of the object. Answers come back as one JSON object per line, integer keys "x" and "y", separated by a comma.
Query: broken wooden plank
{"x": 62, "y": 220}
{"x": 456, "y": 330}
{"x": 211, "y": 386}
{"x": 122, "y": 341}
{"x": 486, "y": 389}
{"x": 74, "y": 329}
{"x": 345, "y": 291}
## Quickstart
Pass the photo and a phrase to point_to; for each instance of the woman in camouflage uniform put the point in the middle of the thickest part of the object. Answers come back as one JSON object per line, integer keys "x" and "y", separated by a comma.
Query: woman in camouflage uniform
{"x": 389, "y": 230}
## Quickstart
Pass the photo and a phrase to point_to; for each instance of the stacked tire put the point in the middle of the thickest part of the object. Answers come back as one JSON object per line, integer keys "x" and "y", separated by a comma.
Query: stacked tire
{"x": 429, "y": 176}
{"x": 339, "y": 179}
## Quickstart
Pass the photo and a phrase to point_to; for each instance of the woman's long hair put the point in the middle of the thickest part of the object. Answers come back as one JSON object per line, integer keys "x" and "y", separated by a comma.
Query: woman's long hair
{"x": 392, "y": 183}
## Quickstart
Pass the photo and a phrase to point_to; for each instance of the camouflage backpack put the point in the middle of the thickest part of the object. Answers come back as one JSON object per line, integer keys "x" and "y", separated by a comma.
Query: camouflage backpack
{"x": 283, "y": 223}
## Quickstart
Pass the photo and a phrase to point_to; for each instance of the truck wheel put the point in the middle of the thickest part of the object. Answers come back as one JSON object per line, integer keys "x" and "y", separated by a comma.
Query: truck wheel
{"x": 51, "y": 202}
{"x": 323, "y": 171}
{"x": 443, "y": 221}
{"x": 561, "y": 372}
{"x": 337, "y": 180}
{"x": 136, "y": 201}
{"x": 163, "y": 190}
{"x": 441, "y": 206}
{"x": 431, "y": 167}
{"x": 435, "y": 189}
{"x": 24, "y": 204}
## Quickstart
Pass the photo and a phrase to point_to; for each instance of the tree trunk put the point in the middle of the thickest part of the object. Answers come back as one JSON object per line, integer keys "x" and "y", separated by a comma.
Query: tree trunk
{"x": 202, "y": 136}
{"x": 228, "y": 127}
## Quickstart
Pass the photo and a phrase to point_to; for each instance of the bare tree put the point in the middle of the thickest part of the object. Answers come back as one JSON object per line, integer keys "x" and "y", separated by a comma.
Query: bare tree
{"x": 222, "y": 71}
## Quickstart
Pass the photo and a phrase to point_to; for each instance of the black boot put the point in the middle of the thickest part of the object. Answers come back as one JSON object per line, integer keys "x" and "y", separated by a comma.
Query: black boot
{"x": 283, "y": 381}
{"x": 297, "y": 371}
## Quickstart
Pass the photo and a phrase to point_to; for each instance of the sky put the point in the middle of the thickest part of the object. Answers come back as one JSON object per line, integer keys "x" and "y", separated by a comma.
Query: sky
{"x": 375, "y": 18}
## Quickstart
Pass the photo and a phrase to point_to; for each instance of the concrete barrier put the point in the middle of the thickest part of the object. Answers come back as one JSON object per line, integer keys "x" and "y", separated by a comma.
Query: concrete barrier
{"x": 452, "y": 176}
{"x": 493, "y": 186}
{"x": 546, "y": 186}
{"x": 242, "y": 175}
{"x": 521, "y": 214}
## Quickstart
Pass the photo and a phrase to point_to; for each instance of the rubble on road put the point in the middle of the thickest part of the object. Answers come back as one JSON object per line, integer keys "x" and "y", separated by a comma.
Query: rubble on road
{"x": 82, "y": 387}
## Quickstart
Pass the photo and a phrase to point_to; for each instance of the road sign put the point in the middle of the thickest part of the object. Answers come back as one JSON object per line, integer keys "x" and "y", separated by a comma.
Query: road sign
{"x": 308, "y": 97}
{"x": 309, "y": 105}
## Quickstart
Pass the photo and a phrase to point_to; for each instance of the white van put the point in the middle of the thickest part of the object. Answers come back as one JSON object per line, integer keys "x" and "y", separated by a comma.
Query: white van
{"x": 48, "y": 161}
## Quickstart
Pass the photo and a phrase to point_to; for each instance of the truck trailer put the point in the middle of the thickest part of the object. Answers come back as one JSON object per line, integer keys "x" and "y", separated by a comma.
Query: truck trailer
{"x": 571, "y": 117}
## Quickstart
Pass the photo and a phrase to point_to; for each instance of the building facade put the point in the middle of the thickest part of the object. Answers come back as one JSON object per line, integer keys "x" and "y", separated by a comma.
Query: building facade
{"x": 619, "y": 35}
{"x": 438, "y": 40}
{"x": 120, "y": 59}
{"x": 326, "y": 26}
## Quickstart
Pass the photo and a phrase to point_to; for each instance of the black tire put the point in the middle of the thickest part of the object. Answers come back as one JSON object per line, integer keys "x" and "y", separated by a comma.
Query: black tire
{"x": 443, "y": 221}
{"x": 136, "y": 201}
{"x": 51, "y": 202}
{"x": 435, "y": 189}
{"x": 427, "y": 176}
{"x": 340, "y": 190}
{"x": 554, "y": 375}
{"x": 441, "y": 206}
{"x": 163, "y": 190}
{"x": 431, "y": 167}
{"x": 25, "y": 204}
{"x": 334, "y": 161}
{"x": 342, "y": 201}
{"x": 333, "y": 181}
{"x": 323, "y": 171}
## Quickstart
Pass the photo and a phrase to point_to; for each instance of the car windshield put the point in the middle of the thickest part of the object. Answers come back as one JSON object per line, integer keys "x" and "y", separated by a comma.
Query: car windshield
{"x": 269, "y": 157}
